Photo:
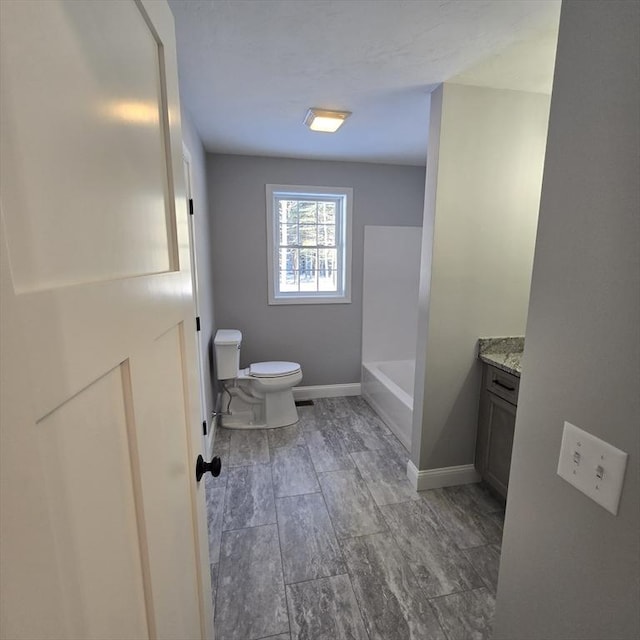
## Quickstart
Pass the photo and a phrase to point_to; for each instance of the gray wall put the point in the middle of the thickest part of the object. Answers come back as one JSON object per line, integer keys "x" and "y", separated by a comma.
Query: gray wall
{"x": 481, "y": 213}
{"x": 569, "y": 568}
{"x": 203, "y": 251}
{"x": 325, "y": 339}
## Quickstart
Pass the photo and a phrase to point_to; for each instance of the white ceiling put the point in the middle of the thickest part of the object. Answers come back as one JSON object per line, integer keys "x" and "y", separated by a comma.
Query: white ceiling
{"x": 250, "y": 69}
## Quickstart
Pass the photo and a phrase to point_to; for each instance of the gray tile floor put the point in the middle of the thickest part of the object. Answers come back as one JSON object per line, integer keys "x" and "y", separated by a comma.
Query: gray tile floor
{"x": 316, "y": 534}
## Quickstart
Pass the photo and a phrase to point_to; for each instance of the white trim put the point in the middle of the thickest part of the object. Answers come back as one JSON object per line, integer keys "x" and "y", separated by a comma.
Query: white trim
{"x": 344, "y": 231}
{"x": 186, "y": 164}
{"x": 326, "y": 391}
{"x": 210, "y": 438}
{"x": 443, "y": 477}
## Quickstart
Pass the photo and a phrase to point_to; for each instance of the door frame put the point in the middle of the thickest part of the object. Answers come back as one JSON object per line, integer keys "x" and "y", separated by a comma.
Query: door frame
{"x": 200, "y": 352}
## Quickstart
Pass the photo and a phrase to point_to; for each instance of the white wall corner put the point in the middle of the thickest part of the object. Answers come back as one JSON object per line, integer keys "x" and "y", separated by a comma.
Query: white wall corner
{"x": 327, "y": 391}
{"x": 443, "y": 477}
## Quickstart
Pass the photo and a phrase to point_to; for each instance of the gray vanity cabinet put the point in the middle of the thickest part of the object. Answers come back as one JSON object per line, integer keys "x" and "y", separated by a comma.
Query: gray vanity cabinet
{"x": 496, "y": 422}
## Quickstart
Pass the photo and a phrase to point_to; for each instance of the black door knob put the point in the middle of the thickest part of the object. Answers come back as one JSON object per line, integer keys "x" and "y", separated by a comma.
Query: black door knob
{"x": 202, "y": 467}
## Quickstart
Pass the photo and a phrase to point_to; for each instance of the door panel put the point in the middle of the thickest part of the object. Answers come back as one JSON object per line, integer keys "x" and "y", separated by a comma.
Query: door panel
{"x": 159, "y": 408}
{"x": 117, "y": 173}
{"x": 84, "y": 451}
{"x": 103, "y": 527}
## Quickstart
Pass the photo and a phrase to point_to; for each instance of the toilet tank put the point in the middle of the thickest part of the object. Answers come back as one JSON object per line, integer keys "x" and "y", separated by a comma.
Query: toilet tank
{"x": 227, "y": 345}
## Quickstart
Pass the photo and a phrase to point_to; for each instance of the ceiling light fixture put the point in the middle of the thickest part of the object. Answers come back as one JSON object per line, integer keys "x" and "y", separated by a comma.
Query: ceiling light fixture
{"x": 325, "y": 121}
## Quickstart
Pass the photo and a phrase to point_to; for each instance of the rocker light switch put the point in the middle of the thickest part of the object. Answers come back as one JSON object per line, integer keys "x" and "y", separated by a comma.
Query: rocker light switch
{"x": 592, "y": 466}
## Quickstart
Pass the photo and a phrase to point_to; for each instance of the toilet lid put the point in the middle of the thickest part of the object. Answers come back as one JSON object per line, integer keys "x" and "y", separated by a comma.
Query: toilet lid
{"x": 273, "y": 369}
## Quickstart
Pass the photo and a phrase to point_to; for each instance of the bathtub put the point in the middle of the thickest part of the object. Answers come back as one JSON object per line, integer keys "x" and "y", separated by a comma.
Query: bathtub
{"x": 388, "y": 388}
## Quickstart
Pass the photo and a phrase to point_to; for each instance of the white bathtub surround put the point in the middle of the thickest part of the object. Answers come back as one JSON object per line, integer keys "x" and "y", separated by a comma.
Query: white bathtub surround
{"x": 389, "y": 324}
{"x": 445, "y": 477}
{"x": 388, "y": 388}
{"x": 390, "y": 293}
{"x": 326, "y": 391}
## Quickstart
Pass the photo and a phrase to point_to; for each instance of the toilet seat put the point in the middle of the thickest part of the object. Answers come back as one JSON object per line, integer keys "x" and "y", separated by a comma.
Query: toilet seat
{"x": 275, "y": 369}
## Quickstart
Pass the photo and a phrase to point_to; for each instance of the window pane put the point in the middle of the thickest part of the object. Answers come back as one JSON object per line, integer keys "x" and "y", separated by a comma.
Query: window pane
{"x": 288, "y": 234}
{"x": 326, "y": 235}
{"x": 308, "y": 235}
{"x": 308, "y": 277}
{"x": 307, "y": 260}
{"x": 328, "y": 283}
{"x": 327, "y": 259}
{"x": 288, "y": 260}
{"x": 288, "y": 210}
{"x": 327, "y": 213}
{"x": 327, "y": 270}
{"x": 308, "y": 281}
{"x": 307, "y": 211}
{"x": 288, "y": 281}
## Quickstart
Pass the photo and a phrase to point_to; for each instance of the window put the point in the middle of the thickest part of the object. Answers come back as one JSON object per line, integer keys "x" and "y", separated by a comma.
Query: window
{"x": 309, "y": 244}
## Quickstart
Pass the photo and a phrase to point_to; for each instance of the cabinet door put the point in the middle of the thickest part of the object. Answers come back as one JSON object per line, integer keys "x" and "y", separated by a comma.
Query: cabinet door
{"x": 502, "y": 419}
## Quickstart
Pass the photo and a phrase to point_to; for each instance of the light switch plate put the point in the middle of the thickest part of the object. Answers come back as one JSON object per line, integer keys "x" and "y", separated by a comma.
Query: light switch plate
{"x": 592, "y": 466}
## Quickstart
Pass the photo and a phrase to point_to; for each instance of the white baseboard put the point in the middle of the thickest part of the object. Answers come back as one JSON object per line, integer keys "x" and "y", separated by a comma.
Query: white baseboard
{"x": 444, "y": 477}
{"x": 326, "y": 391}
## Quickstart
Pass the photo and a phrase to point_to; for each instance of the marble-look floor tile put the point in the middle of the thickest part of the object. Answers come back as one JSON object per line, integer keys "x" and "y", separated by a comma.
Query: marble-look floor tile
{"x": 293, "y": 472}
{"x": 392, "y": 603}
{"x": 433, "y": 557}
{"x": 397, "y": 449}
{"x": 394, "y": 580}
{"x": 214, "y": 585}
{"x": 385, "y": 477}
{"x": 290, "y": 436}
{"x": 362, "y": 433}
{"x": 468, "y": 526}
{"x": 327, "y": 450}
{"x": 351, "y": 507}
{"x": 221, "y": 480}
{"x": 309, "y": 546}
{"x": 248, "y": 446}
{"x": 496, "y": 527}
{"x": 467, "y": 615}
{"x": 475, "y": 496}
{"x": 310, "y": 419}
{"x": 215, "y": 510}
{"x": 359, "y": 405}
{"x": 486, "y": 562}
{"x": 221, "y": 440}
{"x": 391, "y": 442}
{"x": 325, "y": 609}
{"x": 249, "y": 501}
{"x": 332, "y": 408}
{"x": 251, "y": 601}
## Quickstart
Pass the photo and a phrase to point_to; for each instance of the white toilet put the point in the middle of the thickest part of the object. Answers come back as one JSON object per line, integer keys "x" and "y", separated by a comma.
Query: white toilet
{"x": 258, "y": 397}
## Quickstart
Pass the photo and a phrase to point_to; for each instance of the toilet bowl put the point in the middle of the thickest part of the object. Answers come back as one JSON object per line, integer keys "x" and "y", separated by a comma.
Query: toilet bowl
{"x": 259, "y": 396}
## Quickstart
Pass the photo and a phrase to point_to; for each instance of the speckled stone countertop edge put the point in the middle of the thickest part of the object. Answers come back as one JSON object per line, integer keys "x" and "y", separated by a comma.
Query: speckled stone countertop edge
{"x": 503, "y": 353}
{"x": 509, "y": 344}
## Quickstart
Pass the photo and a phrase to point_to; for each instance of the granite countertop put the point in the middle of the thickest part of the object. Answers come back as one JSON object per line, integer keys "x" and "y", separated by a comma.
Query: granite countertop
{"x": 503, "y": 353}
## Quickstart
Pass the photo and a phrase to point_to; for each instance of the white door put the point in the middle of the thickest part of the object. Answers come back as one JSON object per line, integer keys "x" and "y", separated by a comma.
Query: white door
{"x": 103, "y": 527}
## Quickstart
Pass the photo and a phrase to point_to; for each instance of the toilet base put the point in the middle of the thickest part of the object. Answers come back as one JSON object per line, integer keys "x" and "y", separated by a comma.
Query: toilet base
{"x": 277, "y": 409}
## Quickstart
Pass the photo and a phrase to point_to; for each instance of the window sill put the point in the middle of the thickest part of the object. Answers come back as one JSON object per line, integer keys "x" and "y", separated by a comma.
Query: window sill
{"x": 310, "y": 300}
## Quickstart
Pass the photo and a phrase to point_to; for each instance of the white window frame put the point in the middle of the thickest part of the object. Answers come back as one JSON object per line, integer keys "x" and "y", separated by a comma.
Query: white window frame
{"x": 343, "y": 229}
